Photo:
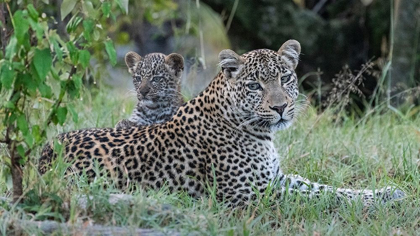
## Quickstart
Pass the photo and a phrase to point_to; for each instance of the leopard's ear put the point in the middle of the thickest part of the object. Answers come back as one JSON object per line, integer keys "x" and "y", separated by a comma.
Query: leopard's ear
{"x": 132, "y": 59}
{"x": 231, "y": 63}
{"x": 289, "y": 52}
{"x": 175, "y": 63}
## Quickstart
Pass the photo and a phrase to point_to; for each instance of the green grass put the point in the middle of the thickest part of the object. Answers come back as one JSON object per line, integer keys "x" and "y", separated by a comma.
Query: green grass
{"x": 376, "y": 150}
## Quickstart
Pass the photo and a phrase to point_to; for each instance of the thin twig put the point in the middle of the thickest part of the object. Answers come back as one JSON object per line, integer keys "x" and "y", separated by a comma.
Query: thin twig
{"x": 319, "y": 5}
{"x": 3, "y": 29}
{"x": 235, "y": 6}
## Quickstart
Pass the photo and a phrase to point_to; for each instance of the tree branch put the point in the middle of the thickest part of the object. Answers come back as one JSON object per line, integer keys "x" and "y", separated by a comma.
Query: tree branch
{"x": 16, "y": 173}
{"x": 60, "y": 99}
{"x": 55, "y": 106}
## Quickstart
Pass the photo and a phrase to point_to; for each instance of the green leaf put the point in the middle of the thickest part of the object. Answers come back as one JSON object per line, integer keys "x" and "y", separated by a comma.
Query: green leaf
{"x": 28, "y": 82}
{"x": 11, "y": 48}
{"x": 21, "y": 151}
{"x": 9, "y": 104}
{"x": 88, "y": 29}
{"x": 73, "y": 23}
{"x": 106, "y": 9}
{"x": 29, "y": 139}
{"x": 33, "y": 12}
{"x": 7, "y": 75}
{"x": 84, "y": 58}
{"x": 15, "y": 97}
{"x": 36, "y": 133}
{"x": 66, "y": 7}
{"x": 74, "y": 55}
{"x": 61, "y": 115}
{"x": 72, "y": 91}
{"x": 54, "y": 73}
{"x": 45, "y": 90}
{"x": 7, "y": 175}
{"x": 58, "y": 147}
{"x": 21, "y": 26}
{"x": 89, "y": 10}
{"x": 113, "y": 17}
{"x": 38, "y": 29}
{"x": 54, "y": 117}
{"x": 77, "y": 80}
{"x": 57, "y": 49}
{"x": 96, "y": 34}
{"x": 12, "y": 118}
{"x": 74, "y": 114}
{"x": 123, "y": 5}
{"x": 123, "y": 38}
{"x": 109, "y": 47}
{"x": 22, "y": 124}
{"x": 42, "y": 62}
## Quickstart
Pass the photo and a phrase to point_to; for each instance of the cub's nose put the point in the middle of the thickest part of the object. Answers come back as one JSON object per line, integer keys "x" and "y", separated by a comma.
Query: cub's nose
{"x": 279, "y": 109}
{"x": 144, "y": 91}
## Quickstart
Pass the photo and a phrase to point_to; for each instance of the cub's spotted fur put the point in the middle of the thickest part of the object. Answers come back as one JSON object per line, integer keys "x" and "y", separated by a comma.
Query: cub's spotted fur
{"x": 224, "y": 137}
{"x": 157, "y": 80}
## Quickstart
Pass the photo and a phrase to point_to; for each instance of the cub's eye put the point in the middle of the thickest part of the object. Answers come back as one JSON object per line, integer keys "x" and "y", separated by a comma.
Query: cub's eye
{"x": 286, "y": 78}
{"x": 254, "y": 86}
{"x": 157, "y": 79}
{"x": 137, "y": 78}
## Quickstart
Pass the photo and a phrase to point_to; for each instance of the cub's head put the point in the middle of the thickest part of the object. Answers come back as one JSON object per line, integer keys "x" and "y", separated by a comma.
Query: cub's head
{"x": 261, "y": 86}
{"x": 156, "y": 77}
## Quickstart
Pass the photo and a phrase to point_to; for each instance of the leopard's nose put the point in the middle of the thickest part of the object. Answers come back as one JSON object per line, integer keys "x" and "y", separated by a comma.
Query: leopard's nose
{"x": 279, "y": 109}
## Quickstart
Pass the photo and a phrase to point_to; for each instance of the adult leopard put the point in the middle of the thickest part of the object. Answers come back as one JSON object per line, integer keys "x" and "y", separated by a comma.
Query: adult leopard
{"x": 224, "y": 137}
{"x": 157, "y": 81}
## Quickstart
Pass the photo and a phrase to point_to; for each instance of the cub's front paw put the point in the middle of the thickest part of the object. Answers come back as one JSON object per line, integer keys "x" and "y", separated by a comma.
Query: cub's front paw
{"x": 123, "y": 124}
{"x": 390, "y": 194}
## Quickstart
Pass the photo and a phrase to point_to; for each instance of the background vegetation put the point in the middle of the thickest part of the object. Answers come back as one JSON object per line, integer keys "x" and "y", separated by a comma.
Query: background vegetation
{"x": 61, "y": 65}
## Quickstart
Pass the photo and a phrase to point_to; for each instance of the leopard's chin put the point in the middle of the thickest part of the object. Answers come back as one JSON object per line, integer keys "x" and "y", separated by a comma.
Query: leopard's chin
{"x": 282, "y": 124}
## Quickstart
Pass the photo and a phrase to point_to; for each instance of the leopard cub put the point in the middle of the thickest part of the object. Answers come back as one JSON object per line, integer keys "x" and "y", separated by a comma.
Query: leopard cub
{"x": 157, "y": 81}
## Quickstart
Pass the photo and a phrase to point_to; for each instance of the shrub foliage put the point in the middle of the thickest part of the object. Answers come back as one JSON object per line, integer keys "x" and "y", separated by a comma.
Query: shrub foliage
{"x": 42, "y": 71}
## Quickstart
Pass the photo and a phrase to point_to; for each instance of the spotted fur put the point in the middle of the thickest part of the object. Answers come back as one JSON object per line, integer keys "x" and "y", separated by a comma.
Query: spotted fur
{"x": 222, "y": 138}
{"x": 157, "y": 81}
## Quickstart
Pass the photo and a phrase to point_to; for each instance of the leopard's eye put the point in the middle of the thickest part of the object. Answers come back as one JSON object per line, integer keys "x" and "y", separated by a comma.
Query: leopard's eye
{"x": 254, "y": 86}
{"x": 137, "y": 78}
{"x": 286, "y": 78}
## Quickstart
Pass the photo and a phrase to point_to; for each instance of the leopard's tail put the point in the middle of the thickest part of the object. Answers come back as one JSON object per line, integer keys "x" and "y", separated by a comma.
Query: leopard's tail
{"x": 47, "y": 157}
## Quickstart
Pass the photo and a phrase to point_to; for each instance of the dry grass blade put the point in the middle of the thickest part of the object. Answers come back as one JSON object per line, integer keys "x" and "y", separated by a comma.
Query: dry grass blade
{"x": 346, "y": 83}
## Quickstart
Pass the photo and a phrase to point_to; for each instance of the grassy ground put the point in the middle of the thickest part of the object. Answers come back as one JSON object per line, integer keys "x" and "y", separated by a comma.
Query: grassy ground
{"x": 377, "y": 150}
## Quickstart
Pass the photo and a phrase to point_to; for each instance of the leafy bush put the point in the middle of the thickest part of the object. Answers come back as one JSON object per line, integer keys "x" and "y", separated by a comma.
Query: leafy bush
{"x": 42, "y": 70}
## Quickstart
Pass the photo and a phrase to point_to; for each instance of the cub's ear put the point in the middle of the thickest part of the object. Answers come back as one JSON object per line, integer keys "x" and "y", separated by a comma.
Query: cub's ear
{"x": 231, "y": 63}
{"x": 289, "y": 52}
{"x": 132, "y": 59}
{"x": 175, "y": 63}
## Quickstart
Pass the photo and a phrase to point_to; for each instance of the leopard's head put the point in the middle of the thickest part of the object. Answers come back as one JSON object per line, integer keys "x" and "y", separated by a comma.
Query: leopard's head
{"x": 261, "y": 87}
{"x": 156, "y": 77}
